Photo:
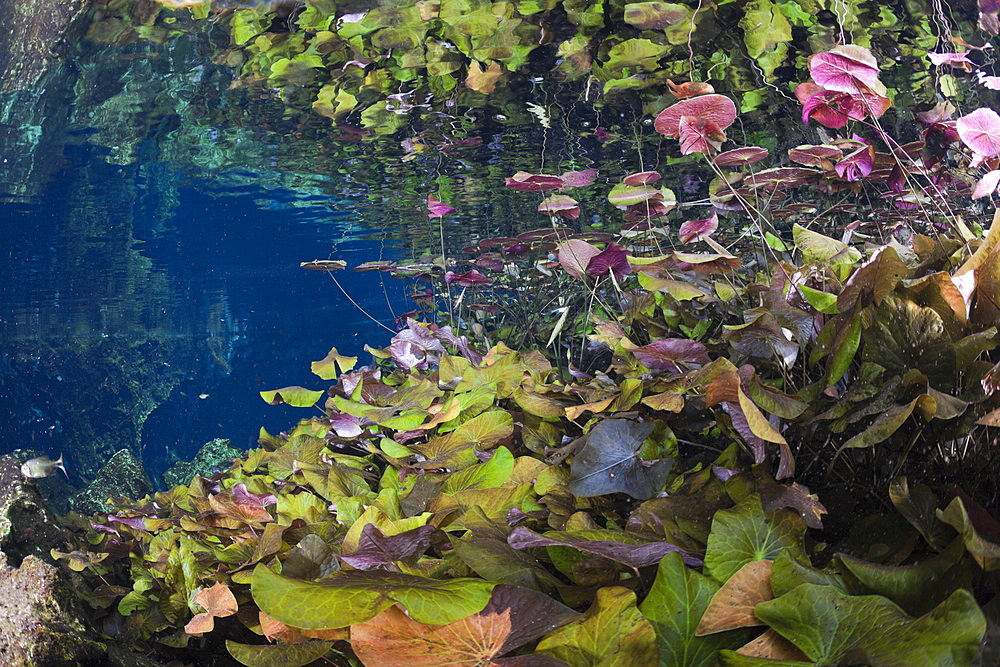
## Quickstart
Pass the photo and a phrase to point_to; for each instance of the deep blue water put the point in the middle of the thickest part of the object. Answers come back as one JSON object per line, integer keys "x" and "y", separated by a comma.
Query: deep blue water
{"x": 156, "y": 250}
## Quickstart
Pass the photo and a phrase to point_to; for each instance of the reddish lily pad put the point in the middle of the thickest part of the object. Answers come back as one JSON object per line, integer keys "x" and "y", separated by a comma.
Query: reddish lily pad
{"x": 642, "y": 178}
{"x": 697, "y": 230}
{"x": 562, "y": 205}
{"x": 526, "y": 182}
{"x": 689, "y": 89}
{"x": 739, "y": 157}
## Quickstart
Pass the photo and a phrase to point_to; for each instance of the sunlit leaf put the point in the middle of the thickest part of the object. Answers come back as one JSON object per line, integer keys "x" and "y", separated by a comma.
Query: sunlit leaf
{"x": 327, "y": 367}
{"x": 524, "y": 181}
{"x": 696, "y": 230}
{"x": 575, "y": 255}
{"x": 655, "y": 15}
{"x": 980, "y": 131}
{"x": 739, "y": 157}
{"x": 848, "y": 69}
{"x": 513, "y": 617}
{"x": 435, "y": 209}
{"x": 641, "y": 178}
{"x": 353, "y": 597}
{"x": 299, "y": 397}
{"x": 562, "y": 205}
{"x": 612, "y": 634}
{"x": 483, "y": 81}
{"x": 717, "y": 109}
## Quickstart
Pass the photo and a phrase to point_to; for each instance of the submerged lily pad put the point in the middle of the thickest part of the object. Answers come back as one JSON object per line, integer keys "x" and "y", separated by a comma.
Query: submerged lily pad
{"x": 608, "y": 462}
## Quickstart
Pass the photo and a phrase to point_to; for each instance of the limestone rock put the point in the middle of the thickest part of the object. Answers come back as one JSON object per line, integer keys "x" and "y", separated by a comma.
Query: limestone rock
{"x": 213, "y": 455}
{"x": 26, "y": 526}
{"x": 40, "y": 622}
{"x": 122, "y": 475}
{"x": 32, "y": 32}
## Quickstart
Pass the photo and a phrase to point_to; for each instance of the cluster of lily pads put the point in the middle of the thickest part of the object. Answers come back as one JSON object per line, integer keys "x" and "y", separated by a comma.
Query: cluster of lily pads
{"x": 373, "y": 68}
{"x": 461, "y": 505}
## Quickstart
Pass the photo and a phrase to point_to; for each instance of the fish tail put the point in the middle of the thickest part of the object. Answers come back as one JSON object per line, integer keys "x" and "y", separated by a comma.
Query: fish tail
{"x": 59, "y": 464}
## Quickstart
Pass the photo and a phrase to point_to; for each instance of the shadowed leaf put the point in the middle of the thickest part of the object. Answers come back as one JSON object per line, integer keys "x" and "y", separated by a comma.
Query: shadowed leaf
{"x": 828, "y": 625}
{"x": 280, "y": 655}
{"x": 639, "y": 554}
{"x": 376, "y": 551}
{"x": 608, "y": 462}
{"x": 732, "y": 605}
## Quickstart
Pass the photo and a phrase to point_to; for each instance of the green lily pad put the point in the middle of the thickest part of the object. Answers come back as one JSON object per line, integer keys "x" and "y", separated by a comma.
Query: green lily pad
{"x": 354, "y": 597}
{"x": 744, "y": 534}
{"x": 675, "y": 605}
{"x": 869, "y": 629}
{"x": 280, "y": 655}
{"x": 299, "y": 397}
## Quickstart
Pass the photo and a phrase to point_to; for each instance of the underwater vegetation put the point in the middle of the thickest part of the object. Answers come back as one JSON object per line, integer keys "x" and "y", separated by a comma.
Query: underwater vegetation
{"x": 622, "y": 449}
{"x": 377, "y": 69}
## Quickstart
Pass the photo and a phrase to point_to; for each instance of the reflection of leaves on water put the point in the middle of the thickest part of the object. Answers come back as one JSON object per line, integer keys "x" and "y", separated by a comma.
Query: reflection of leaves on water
{"x": 608, "y": 462}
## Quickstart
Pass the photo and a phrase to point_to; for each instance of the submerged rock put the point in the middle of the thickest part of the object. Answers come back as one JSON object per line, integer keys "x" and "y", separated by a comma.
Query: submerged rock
{"x": 122, "y": 475}
{"x": 40, "y": 619}
{"x": 214, "y": 455}
{"x": 26, "y": 527}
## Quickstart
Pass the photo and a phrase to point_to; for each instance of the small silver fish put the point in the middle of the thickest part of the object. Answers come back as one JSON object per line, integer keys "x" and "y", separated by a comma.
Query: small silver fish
{"x": 42, "y": 466}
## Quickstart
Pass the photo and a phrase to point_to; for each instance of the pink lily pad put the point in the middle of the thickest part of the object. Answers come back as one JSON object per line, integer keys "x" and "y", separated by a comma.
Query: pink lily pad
{"x": 700, "y": 136}
{"x": 957, "y": 60}
{"x": 577, "y": 179}
{"x": 847, "y": 69}
{"x": 987, "y": 185}
{"x": 717, "y": 109}
{"x": 436, "y": 208}
{"x": 697, "y": 230}
{"x": 856, "y": 165}
{"x": 980, "y": 131}
{"x": 575, "y": 255}
{"x": 642, "y": 178}
{"x": 821, "y": 155}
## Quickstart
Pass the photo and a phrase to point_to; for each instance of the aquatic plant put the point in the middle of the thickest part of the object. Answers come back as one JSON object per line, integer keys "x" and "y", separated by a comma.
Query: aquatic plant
{"x": 498, "y": 505}
{"x": 377, "y": 68}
